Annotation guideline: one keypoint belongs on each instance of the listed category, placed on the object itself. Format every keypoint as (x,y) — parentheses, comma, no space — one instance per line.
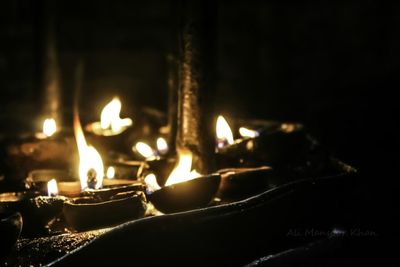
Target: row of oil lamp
(170,185)
(110,125)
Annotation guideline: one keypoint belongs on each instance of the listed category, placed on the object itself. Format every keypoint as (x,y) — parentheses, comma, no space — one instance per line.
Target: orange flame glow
(224,132)
(52,189)
(89,158)
(49,127)
(182,171)
(110,117)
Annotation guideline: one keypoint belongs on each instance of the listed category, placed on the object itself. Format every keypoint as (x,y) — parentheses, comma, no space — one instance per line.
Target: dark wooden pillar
(195,96)
(51,72)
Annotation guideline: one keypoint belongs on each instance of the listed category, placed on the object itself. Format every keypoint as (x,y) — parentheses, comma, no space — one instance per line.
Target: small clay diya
(36,211)
(10,230)
(240,183)
(38,179)
(108,192)
(282,143)
(192,194)
(86,213)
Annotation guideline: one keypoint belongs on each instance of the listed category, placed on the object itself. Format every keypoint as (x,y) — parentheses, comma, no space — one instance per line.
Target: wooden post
(51,75)
(195,106)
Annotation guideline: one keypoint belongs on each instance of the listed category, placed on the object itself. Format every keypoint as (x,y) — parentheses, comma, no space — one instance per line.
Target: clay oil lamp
(240,183)
(90,213)
(185,189)
(110,132)
(44,149)
(100,206)
(10,230)
(36,210)
(262,142)
(38,180)
(122,172)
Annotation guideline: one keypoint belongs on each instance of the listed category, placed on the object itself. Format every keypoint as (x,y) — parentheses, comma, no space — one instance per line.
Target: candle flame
(110,172)
(52,189)
(224,132)
(110,117)
(182,171)
(49,127)
(245,132)
(145,150)
(89,159)
(162,145)
(151,182)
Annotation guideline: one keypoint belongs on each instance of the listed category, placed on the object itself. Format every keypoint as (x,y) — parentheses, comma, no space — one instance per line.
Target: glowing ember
(182,171)
(49,127)
(110,172)
(162,146)
(52,189)
(144,149)
(91,169)
(224,132)
(110,117)
(244,132)
(151,182)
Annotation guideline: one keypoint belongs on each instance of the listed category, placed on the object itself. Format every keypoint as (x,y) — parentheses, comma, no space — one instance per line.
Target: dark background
(333,66)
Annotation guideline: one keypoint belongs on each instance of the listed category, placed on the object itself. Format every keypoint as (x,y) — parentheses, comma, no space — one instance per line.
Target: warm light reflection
(224,132)
(110,172)
(182,171)
(110,117)
(89,159)
(162,146)
(151,182)
(245,132)
(49,127)
(144,149)
(52,189)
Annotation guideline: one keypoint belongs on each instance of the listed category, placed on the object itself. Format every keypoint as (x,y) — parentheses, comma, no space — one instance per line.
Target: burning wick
(110,172)
(162,146)
(144,150)
(224,132)
(52,189)
(91,168)
(245,132)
